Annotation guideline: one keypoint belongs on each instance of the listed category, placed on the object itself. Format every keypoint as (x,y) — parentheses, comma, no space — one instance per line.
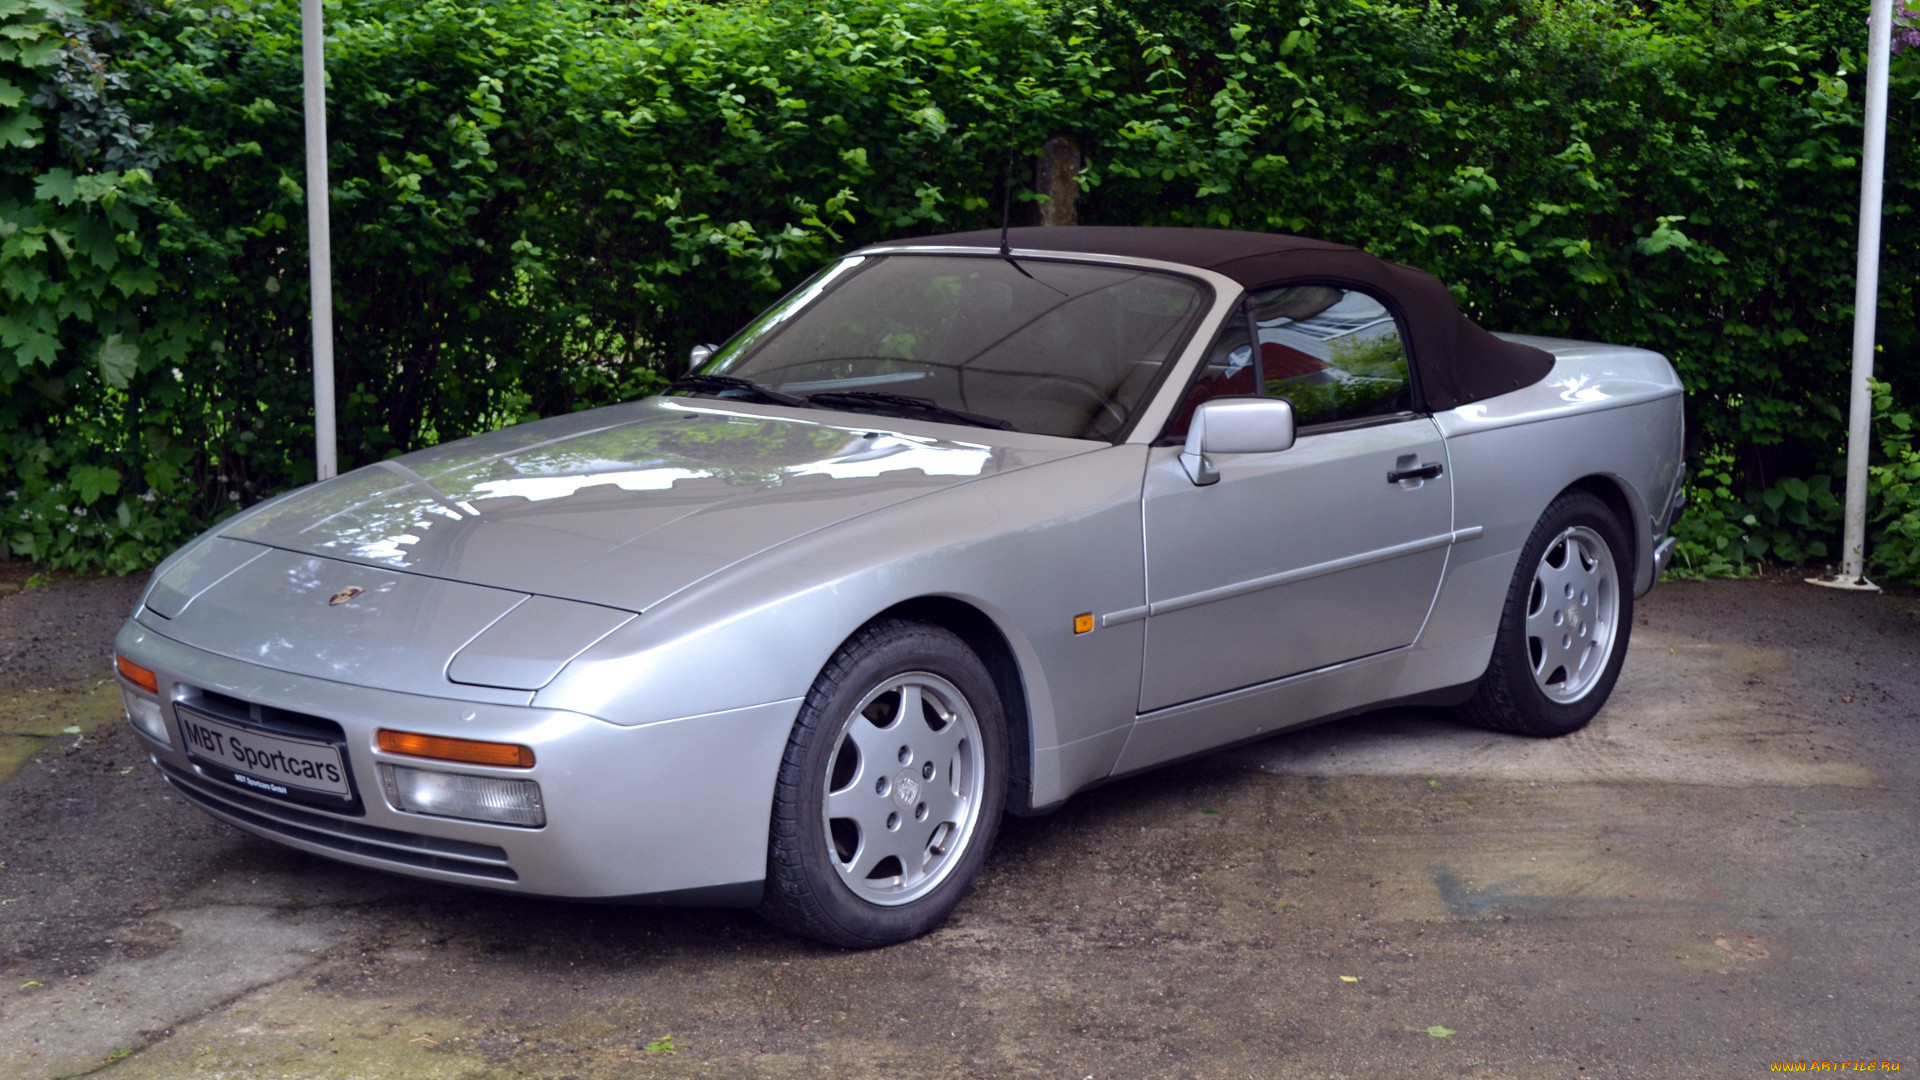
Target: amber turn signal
(1083,623)
(137,675)
(469,751)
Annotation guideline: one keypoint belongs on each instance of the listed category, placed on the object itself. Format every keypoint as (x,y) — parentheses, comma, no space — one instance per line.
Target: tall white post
(319,235)
(1866,303)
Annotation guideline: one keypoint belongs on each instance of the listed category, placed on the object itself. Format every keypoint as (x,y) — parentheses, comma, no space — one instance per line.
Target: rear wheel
(891,789)
(1563,632)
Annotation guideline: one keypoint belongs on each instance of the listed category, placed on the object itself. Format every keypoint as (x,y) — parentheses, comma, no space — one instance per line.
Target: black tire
(1518,693)
(813,885)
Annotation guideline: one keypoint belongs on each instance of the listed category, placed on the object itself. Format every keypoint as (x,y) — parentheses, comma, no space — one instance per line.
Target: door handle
(1423,472)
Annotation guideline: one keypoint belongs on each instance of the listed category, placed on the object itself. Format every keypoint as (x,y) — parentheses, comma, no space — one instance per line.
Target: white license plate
(254,759)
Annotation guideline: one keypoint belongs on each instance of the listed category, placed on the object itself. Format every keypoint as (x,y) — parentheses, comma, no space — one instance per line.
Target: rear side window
(1336,353)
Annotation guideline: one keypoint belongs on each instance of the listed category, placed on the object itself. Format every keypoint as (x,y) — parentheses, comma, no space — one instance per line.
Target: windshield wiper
(872,400)
(718,384)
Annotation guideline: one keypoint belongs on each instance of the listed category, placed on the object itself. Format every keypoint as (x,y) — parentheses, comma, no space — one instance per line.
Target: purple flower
(1906,26)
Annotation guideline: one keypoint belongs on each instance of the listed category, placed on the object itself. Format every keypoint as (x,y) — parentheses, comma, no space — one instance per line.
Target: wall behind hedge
(538,207)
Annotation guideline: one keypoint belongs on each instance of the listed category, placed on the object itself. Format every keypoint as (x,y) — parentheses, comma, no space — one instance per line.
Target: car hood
(625,506)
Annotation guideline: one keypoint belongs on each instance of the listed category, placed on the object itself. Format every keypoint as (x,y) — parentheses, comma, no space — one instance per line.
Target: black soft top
(1454,359)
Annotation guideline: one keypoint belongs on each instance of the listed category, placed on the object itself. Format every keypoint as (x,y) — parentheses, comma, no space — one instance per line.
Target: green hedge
(537,207)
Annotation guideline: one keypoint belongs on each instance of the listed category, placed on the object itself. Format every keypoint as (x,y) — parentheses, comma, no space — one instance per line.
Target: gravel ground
(59,632)
(1718,874)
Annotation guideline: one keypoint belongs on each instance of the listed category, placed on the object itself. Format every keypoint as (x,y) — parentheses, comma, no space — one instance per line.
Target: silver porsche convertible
(960,527)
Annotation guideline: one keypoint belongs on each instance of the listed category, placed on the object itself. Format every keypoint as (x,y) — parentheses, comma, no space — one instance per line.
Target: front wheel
(890,791)
(1563,632)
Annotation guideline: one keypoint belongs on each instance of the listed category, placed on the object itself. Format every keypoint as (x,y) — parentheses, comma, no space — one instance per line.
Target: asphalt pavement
(1718,875)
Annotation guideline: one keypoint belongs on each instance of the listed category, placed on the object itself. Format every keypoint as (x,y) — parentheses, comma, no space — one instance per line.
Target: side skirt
(1444,698)
(1195,727)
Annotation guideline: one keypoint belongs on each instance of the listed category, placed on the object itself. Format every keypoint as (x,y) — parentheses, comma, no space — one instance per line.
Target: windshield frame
(825,281)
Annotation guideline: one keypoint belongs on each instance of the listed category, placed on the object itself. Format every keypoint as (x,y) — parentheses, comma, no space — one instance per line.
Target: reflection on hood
(862,456)
(542,488)
(889,453)
(652,497)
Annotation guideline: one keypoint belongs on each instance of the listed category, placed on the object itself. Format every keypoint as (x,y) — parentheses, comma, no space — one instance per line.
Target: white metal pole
(319,235)
(1866,301)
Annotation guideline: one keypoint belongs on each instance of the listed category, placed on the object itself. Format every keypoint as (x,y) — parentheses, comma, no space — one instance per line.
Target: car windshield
(1055,348)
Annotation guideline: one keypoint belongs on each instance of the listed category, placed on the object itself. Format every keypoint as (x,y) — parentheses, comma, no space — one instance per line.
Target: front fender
(1031,550)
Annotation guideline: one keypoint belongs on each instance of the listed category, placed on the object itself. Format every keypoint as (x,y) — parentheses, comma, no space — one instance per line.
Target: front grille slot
(348,837)
(265,717)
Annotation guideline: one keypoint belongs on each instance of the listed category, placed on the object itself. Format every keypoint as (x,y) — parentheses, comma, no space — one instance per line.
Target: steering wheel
(1101,403)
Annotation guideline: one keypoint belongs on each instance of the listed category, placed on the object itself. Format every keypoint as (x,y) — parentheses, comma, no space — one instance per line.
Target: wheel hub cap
(906,790)
(1572,614)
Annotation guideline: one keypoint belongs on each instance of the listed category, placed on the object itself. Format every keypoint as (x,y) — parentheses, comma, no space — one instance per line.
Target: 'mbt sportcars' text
(264,756)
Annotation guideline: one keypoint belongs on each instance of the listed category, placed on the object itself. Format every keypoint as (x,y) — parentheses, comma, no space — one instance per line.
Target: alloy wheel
(904,787)
(1573,614)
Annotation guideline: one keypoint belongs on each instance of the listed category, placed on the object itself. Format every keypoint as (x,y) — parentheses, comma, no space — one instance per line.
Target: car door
(1330,550)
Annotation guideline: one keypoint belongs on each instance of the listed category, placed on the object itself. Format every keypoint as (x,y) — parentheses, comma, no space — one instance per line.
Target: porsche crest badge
(344,595)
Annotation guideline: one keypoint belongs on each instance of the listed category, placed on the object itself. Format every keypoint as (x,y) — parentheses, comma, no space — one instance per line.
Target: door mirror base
(1199,469)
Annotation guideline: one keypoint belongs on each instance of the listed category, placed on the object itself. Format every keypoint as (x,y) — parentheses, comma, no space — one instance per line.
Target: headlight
(144,713)
(457,795)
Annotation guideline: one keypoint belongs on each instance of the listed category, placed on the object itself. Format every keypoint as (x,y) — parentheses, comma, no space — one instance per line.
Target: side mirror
(1241,425)
(699,355)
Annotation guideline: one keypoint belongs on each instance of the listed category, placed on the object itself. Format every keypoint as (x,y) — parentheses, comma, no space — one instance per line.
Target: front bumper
(676,811)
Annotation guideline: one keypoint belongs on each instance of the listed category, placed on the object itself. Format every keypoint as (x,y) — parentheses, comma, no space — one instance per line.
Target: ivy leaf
(94,239)
(39,346)
(19,31)
(37,54)
(136,279)
(117,358)
(18,130)
(56,184)
(92,481)
(23,244)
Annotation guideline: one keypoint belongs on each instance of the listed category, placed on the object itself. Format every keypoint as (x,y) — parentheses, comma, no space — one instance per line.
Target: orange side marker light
(1083,623)
(137,675)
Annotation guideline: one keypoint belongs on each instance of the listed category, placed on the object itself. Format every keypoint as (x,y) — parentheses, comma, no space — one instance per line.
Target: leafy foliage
(539,206)
(1799,521)
(1893,491)
(86,310)
(1794,521)
(1681,175)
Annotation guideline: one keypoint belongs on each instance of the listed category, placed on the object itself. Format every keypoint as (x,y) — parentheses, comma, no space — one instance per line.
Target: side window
(1335,352)
(1228,370)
